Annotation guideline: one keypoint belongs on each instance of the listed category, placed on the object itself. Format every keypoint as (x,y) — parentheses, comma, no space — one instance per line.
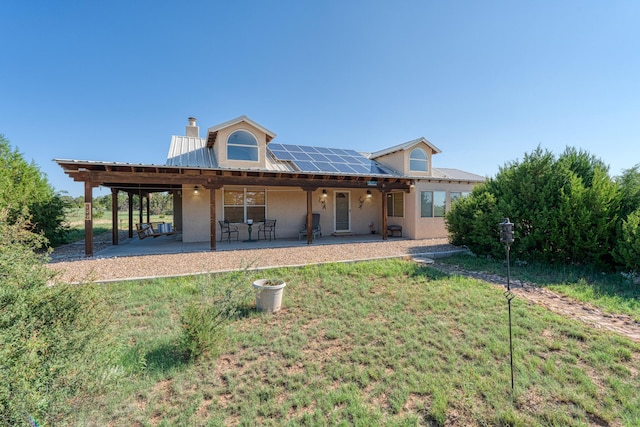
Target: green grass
(611,292)
(373,343)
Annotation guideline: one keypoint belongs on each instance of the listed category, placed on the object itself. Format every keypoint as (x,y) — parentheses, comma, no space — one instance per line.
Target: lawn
(611,292)
(371,343)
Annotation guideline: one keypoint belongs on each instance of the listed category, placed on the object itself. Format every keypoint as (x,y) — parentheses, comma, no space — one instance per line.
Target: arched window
(241,145)
(418,160)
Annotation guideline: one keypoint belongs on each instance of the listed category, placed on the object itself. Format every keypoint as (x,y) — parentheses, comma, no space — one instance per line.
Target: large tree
(25,190)
(564,209)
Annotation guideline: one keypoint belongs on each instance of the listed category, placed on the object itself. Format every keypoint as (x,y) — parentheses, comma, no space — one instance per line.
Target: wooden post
(130,195)
(141,203)
(88,219)
(212,217)
(148,207)
(384,215)
(309,216)
(114,216)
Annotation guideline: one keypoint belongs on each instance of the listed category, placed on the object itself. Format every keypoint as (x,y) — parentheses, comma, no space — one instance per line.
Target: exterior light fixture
(195,190)
(369,195)
(323,199)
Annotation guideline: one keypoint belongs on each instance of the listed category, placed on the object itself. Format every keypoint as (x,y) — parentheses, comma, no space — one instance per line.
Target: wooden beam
(88,219)
(114,216)
(130,196)
(384,215)
(309,216)
(212,217)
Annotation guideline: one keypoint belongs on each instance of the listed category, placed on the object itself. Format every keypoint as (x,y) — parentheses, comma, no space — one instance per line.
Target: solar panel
(307,166)
(323,159)
(299,155)
(282,155)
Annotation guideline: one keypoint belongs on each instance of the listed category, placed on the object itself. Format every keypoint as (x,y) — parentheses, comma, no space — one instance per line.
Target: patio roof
(129,177)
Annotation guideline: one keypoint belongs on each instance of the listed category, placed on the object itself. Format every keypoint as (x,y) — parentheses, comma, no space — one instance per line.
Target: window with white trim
(418,160)
(242,145)
(243,204)
(433,204)
(395,204)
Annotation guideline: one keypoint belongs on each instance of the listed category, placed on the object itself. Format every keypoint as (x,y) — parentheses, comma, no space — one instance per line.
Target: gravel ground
(76,269)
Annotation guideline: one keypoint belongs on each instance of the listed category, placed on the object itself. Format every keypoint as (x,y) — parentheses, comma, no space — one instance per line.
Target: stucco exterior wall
(195,215)
(220,146)
(430,227)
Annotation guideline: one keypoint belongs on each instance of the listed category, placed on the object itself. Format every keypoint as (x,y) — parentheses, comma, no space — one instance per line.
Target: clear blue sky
(485,81)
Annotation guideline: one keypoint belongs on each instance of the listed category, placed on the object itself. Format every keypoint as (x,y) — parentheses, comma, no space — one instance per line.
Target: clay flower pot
(269,294)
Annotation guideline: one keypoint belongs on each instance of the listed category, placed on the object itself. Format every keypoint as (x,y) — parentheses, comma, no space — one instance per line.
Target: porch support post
(309,216)
(114,216)
(130,196)
(212,217)
(141,206)
(384,215)
(88,219)
(148,207)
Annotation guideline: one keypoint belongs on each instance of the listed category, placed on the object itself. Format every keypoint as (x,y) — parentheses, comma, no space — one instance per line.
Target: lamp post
(506,237)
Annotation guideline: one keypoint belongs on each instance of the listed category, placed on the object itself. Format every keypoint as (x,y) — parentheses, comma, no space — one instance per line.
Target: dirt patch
(565,306)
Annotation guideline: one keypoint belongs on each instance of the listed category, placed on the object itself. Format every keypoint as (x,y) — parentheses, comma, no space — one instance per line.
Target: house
(238,172)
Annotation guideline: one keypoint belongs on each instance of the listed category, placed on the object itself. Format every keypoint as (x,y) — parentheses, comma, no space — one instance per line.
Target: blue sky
(486,82)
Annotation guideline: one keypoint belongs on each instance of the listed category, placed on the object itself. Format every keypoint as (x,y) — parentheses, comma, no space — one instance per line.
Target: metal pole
(509,297)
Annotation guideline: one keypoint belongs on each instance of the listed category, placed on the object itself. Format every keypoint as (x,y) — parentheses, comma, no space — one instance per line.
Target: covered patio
(143,180)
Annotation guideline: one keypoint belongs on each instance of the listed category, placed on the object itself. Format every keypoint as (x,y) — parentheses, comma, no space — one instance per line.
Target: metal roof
(456,175)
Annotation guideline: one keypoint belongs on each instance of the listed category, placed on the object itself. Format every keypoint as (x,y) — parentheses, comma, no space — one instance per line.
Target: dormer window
(242,145)
(418,160)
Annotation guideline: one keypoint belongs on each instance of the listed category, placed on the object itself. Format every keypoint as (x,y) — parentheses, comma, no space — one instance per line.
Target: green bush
(627,250)
(564,210)
(49,333)
(221,299)
(25,190)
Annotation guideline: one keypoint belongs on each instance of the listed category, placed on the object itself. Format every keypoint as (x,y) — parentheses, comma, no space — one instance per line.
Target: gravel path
(136,267)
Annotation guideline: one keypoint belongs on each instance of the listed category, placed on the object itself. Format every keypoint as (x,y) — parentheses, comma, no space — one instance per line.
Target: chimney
(192,129)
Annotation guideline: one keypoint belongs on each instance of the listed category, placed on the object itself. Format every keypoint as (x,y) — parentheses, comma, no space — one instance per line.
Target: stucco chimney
(192,129)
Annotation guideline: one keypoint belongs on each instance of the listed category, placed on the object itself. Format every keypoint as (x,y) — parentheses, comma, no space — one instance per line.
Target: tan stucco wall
(426,228)
(220,146)
(195,215)
(399,160)
(288,205)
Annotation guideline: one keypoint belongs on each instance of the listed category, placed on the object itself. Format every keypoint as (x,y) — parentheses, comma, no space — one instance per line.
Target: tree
(25,190)
(564,210)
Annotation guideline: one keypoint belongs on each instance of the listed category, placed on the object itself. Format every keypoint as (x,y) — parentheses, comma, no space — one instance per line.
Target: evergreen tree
(25,190)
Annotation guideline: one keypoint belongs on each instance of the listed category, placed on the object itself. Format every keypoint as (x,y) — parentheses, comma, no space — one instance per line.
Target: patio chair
(268,227)
(228,229)
(315,227)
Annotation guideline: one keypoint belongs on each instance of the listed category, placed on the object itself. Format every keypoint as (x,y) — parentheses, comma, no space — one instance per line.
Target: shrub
(203,321)
(49,333)
(25,190)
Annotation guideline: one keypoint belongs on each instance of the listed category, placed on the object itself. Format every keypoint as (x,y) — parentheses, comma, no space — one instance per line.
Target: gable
(406,158)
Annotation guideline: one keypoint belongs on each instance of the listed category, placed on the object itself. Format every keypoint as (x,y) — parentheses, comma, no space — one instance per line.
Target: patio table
(249,229)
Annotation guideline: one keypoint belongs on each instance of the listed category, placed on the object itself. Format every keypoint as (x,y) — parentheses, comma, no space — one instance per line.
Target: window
(395,204)
(418,160)
(456,195)
(244,204)
(241,145)
(432,203)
